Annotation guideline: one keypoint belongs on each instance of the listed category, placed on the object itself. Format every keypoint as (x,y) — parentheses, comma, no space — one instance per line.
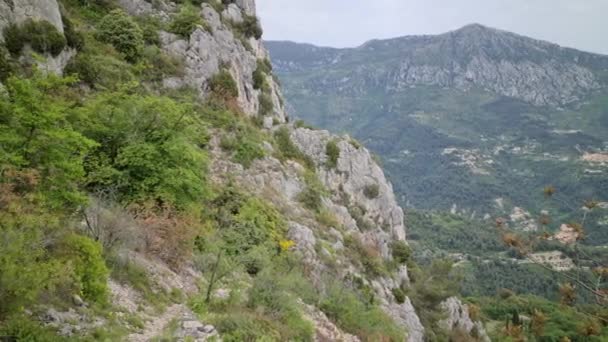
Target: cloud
(580,24)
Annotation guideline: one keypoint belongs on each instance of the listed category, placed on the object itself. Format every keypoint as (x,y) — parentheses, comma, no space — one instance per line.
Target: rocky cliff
(534,71)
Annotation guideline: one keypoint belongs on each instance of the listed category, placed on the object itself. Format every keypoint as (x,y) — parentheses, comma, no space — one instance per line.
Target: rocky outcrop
(354,174)
(459,318)
(17,11)
(216,46)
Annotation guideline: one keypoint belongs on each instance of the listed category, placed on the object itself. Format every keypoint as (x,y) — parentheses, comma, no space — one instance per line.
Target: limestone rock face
(17,11)
(208,50)
(459,318)
(355,172)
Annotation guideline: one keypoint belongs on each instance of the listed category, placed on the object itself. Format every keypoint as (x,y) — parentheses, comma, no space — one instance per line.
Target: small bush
(259,79)
(223,86)
(244,147)
(5,65)
(266,105)
(250,27)
(333,153)
(121,31)
(371,191)
(99,70)
(368,322)
(73,38)
(401,252)
(399,295)
(150,27)
(14,39)
(90,271)
(41,35)
(311,196)
(288,150)
(186,21)
(23,328)
(160,65)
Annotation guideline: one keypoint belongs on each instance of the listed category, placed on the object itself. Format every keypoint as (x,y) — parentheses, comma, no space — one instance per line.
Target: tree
(37,133)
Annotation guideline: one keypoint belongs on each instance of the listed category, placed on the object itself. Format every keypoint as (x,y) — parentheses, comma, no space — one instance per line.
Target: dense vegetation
(104,162)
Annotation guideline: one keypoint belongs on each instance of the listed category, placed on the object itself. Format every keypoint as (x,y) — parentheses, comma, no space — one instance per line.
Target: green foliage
(160,65)
(371,191)
(13,39)
(73,38)
(401,251)
(91,274)
(36,133)
(399,295)
(151,148)
(246,148)
(288,150)
(266,104)
(250,27)
(246,222)
(22,328)
(186,21)
(311,196)
(429,287)
(26,270)
(100,71)
(561,321)
(121,31)
(367,255)
(332,151)
(6,67)
(263,69)
(270,295)
(223,86)
(368,322)
(41,35)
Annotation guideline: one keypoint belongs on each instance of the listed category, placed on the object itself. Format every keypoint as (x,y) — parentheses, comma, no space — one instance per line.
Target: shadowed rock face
(537,72)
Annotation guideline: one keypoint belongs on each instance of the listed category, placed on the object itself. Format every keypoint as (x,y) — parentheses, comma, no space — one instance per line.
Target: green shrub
(371,191)
(259,79)
(368,322)
(150,27)
(246,222)
(245,148)
(90,271)
(5,65)
(399,295)
(23,328)
(99,71)
(223,86)
(250,27)
(333,153)
(288,150)
(401,252)
(41,35)
(302,124)
(186,21)
(312,195)
(121,31)
(160,65)
(269,294)
(73,38)
(25,267)
(14,39)
(266,105)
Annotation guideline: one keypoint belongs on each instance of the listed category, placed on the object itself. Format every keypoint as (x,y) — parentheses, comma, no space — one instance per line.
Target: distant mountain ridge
(535,71)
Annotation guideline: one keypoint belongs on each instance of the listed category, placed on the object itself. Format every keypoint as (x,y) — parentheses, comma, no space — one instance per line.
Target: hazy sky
(582,24)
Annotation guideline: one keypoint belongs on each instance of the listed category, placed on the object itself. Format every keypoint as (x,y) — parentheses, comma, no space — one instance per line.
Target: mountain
(477,121)
(534,71)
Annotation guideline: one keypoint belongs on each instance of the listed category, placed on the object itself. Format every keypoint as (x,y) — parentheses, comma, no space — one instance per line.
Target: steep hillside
(461,117)
(152,189)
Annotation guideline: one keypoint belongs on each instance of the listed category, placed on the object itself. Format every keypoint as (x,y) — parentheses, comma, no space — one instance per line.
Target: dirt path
(157,325)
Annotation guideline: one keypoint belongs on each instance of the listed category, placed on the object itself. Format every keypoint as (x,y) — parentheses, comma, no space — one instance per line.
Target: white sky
(581,24)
